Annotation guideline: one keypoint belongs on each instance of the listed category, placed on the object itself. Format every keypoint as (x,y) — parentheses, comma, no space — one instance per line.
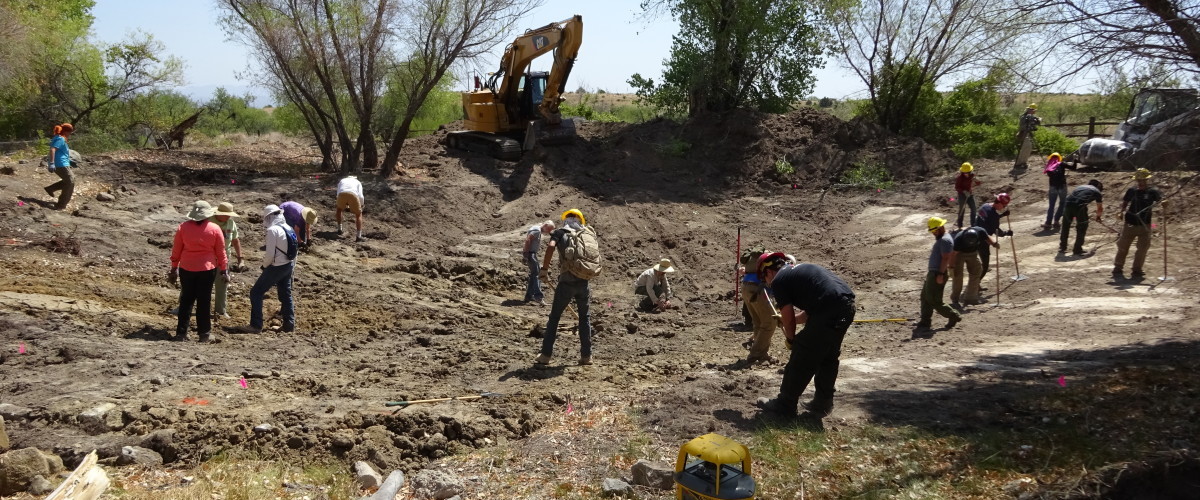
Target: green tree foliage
(226,113)
(905,100)
(732,54)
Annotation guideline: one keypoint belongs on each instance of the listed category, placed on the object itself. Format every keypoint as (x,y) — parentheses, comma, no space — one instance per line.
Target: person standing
(570,285)
(941,257)
(964,183)
(60,165)
(223,218)
(278,267)
(653,284)
(967,243)
(197,255)
(529,256)
(1137,207)
(301,219)
(1025,128)
(350,197)
(989,219)
(1076,210)
(811,295)
(1056,173)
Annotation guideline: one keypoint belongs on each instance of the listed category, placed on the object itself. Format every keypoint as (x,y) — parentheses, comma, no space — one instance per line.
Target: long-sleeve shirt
(199,247)
(276,245)
(648,279)
(964,183)
(988,219)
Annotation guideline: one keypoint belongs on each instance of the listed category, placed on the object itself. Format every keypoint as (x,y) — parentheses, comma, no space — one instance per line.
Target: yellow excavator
(517,109)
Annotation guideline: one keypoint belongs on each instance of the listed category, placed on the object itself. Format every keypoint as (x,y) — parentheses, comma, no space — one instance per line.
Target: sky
(617,42)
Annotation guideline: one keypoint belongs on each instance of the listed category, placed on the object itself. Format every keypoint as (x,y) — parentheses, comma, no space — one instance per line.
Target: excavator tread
(496,146)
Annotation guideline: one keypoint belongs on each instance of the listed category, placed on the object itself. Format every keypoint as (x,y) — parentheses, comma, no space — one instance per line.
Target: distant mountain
(202,93)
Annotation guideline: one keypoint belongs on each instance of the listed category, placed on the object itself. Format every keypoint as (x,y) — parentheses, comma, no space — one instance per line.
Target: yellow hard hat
(1033,106)
(1053,156)
(936,222)
(966,168)
(1142,174)
(576,213)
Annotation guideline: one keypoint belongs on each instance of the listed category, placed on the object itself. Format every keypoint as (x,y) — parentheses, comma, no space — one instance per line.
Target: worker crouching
(653,285)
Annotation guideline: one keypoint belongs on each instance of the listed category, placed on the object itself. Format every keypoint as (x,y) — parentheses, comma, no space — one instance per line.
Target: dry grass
(240,477)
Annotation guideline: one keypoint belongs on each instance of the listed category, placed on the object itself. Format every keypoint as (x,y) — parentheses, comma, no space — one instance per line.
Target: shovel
(1016,264)
(404,404)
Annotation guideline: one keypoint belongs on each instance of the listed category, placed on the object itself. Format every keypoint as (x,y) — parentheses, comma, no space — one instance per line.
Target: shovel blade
(1020,277)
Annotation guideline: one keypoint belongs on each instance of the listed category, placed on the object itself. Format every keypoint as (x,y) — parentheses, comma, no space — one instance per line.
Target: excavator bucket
(539,132)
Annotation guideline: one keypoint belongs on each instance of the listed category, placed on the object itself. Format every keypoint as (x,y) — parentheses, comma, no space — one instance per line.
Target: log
(87,482)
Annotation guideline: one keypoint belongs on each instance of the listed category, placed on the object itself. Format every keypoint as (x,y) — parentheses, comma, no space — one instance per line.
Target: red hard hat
(766,257)
(1003,198)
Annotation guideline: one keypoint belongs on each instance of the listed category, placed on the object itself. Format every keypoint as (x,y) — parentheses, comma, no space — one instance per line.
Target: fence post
(1091,127)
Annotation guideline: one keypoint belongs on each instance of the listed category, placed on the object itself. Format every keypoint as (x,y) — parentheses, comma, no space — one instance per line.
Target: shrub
(783,167)
(677,148)
(586,110)
(867,175)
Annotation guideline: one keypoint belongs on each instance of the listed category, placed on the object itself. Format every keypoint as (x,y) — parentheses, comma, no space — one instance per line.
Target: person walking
(278,265)
(529,256)
(301,219)
(653,284)
(941,257)
(1028,124)
(964,183)
(60,165)
(1137,207)
(1076,210)
(989,219)
(350,197)
(572,283)
(1056,173)
(223,218)
(756,300)
(197,255)
(811,295)
(967,243)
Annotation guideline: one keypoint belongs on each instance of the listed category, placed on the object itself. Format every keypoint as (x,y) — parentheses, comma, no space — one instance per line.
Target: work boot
(542,359)
(339,229)
(924,324)
(820,407)
(1118,273)
(360,238)
(953,321)
(777,407)
(585,360)
(174,312)
(1046,226)
(206,337)
(180,337)
(957,307)
(1137,274)
(1077,251)
(1056,227)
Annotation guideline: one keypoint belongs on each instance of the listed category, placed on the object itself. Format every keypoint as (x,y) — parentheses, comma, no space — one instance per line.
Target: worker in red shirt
(964,183)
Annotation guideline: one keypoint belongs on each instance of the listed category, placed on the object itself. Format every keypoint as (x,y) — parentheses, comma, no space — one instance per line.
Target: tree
(92,77)
(899,48)
(735,53)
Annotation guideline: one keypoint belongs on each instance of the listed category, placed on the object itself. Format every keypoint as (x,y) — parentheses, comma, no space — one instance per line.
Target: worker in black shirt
(1136,207)
(1076,210)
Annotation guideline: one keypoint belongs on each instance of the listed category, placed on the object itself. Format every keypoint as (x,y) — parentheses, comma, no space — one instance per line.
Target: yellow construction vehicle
(518,104)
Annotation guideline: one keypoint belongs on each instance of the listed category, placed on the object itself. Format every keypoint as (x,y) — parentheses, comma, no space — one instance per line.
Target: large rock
(646,473)
(4,445)
(136,455)
(14,412)
(365,476)
(616,488)
(18,467)
(436,484)
(163,442)
(390,486)
(39,486)
(100,419)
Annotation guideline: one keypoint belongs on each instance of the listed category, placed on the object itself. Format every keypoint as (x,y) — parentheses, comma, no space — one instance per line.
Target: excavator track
(496,146)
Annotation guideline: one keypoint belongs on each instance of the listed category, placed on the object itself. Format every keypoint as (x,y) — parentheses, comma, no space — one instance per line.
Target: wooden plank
(87,482)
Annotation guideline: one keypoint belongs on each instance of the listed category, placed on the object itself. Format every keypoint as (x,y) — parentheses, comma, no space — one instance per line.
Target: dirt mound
(1174,474)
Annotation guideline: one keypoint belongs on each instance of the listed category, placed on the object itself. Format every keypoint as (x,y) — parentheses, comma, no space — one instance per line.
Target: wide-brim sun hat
(664,266)
(226,208)
(201,210)
(271,210)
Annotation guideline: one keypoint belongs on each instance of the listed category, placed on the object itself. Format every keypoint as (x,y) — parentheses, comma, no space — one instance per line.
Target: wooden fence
(1091,125)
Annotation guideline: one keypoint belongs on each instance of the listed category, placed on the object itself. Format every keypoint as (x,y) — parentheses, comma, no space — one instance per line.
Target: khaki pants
(974,268)
(221,288)
(764,321)
(1131,231)
(1026,139)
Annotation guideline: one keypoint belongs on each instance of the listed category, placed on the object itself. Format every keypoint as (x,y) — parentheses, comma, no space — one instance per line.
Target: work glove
(1005,214)
(173,276)
(544,275)
(788,343)
(240,266)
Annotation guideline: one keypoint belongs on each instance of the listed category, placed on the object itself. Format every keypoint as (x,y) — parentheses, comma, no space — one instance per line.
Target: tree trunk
(1185,31)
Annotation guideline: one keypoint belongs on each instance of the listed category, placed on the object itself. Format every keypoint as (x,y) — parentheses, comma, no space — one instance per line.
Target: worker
(1137,206)
(808,294)
(756,300)
(967,243)
(1028,124)
(60,164)
(223,218)
(278,267)
(197,256)
(989,219)
(350,197)
(1056,173)
(941,257)
(529,256)
(653,284)
(964,183)
(1076,210)
(570,286)
(301,219)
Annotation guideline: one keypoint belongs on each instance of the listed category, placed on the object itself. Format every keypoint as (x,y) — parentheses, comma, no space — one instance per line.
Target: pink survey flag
(243,383)
(1062,381)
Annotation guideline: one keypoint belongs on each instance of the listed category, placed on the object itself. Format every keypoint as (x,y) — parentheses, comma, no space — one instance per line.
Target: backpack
(293,247)
(581,255)
(968,240)
(749,257)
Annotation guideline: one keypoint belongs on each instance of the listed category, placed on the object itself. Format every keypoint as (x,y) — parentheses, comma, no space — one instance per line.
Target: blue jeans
(569,287)
(533,289)
(966,199)
(1059,195)
(279,277)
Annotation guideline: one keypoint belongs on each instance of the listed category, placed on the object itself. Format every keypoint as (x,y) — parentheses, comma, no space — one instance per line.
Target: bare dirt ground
(431,305)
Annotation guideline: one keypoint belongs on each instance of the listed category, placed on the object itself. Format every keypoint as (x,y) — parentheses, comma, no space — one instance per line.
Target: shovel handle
(438,400)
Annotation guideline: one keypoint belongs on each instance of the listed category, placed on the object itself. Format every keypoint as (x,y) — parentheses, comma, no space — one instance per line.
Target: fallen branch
(87,482)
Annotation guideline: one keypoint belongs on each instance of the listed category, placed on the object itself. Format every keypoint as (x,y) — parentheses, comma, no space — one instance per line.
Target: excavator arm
(563,38)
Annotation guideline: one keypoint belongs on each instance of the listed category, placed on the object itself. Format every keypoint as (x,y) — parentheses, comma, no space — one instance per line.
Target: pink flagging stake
(245,385)
(233,181)
(21,348)
(20,203)
(1062,381)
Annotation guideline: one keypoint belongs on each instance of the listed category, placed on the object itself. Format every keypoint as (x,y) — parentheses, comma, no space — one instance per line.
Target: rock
(263,428)
(631,328)
(4,444)
(390,486)
(105,197)
(54,462)
(436,484)
(646,473)
(14,412)
(342,441)
(18,467)
(615,488)
(96,420)
(39,486)
(365,476)
(136,455)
